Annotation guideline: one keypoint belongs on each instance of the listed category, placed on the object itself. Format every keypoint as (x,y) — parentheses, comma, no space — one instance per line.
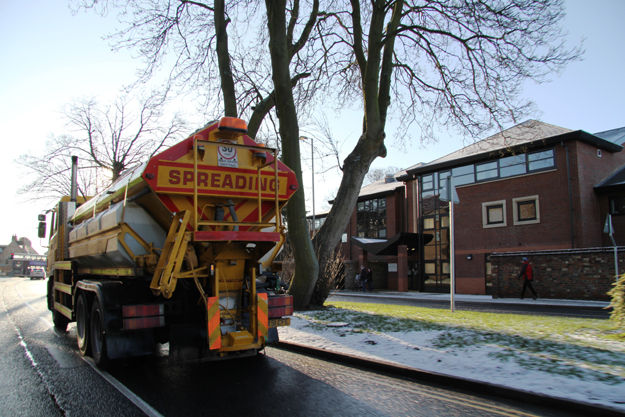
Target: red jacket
(527,272)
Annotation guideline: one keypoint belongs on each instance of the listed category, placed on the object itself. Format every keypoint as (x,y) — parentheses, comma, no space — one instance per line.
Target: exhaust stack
(74,183)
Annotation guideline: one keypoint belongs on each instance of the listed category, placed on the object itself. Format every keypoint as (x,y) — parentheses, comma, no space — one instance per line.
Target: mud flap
(187,344)
(125,345)
(273,335)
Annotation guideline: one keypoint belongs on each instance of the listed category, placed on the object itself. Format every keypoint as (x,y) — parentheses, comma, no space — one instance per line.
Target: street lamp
(312,157)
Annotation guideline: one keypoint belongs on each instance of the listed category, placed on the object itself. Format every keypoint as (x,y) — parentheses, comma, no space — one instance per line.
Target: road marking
(134,398)
(64,357)
(28,353)
(48,324)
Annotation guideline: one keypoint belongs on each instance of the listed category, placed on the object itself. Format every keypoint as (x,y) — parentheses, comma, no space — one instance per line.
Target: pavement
(472,298)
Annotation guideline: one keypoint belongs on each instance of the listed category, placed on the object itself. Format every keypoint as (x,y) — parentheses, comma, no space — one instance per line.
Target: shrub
(618,301)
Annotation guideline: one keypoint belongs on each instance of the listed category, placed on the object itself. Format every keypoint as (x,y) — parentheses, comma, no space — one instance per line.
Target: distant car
(37,273)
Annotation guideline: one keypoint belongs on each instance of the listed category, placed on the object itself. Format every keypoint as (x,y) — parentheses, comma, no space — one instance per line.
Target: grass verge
(581,348)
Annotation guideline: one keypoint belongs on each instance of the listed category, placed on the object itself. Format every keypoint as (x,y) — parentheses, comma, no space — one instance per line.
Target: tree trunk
(356,166)
(375,70)
(223,57)
(306,265)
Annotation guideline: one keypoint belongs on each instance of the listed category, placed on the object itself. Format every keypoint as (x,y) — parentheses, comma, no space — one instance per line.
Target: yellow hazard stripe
(214,327)
(263,317)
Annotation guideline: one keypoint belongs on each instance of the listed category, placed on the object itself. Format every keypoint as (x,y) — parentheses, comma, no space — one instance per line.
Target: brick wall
(551,189)
(574,274)
(352,268)
(590,169)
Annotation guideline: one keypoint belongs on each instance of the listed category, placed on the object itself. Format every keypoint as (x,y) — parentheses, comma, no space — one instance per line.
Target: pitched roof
(518,138)
(615,181)
(526,132)
(614,135)
(380,187)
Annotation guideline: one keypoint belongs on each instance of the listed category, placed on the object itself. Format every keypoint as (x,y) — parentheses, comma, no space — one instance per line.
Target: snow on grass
(568,358)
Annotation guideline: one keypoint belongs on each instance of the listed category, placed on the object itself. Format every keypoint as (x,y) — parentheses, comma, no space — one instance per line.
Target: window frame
(486,206)
(468,174)
(612,204)
(515,210)
(371,218)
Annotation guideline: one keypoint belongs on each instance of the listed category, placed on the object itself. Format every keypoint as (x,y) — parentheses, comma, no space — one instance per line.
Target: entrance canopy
(388,247)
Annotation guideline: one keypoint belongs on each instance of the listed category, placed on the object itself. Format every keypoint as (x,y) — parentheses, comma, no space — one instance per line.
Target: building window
(428,223)
(319,222)
(371,218)
(540,160)
(617,205)
(442,178)
(494,214)
(463,175)
(526,210)
(509,166)
(486,171)
(444,221)
(428,182)
(512,165)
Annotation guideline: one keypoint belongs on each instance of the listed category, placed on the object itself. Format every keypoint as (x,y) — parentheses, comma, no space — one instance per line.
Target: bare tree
(459,64)
(282,50)
(123,133)
(49,173)
(376,174)
(106,138)
(191,43)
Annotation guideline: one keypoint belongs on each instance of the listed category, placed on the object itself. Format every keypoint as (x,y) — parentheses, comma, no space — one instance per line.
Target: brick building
(376,229)
(533,187)
(20,246)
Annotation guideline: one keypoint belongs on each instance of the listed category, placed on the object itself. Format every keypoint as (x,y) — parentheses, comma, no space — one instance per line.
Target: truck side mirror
(42,230)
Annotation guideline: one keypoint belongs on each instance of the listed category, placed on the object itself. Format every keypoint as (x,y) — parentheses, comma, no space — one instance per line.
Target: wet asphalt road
(41,371)
(42,374)
(527,309)
(280,383)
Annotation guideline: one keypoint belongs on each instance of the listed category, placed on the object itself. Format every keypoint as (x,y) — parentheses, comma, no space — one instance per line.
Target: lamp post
(312,157)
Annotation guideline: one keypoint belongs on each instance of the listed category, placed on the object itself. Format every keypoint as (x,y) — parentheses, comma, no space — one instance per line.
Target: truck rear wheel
(82,324)
(60,321)
(98,335)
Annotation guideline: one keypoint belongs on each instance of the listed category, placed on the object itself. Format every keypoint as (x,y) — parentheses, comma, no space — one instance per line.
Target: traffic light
(11,256)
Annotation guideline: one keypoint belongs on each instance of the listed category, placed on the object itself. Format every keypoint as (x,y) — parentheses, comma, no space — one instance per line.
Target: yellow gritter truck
(179,250)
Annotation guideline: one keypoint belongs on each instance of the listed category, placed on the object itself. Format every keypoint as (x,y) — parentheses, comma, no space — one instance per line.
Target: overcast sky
(50,57)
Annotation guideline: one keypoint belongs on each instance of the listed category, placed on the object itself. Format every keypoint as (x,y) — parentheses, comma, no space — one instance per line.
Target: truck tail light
(280,305)
(143,316)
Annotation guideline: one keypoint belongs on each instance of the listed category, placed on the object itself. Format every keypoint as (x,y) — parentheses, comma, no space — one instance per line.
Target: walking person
(527,273)
(370,280)
(363,278)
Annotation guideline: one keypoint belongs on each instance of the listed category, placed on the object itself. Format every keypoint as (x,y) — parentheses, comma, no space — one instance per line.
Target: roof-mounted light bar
(232,124)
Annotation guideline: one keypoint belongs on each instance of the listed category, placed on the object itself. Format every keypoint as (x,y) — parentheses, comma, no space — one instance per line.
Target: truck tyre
(98,335)
(82,325)
(60,321)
